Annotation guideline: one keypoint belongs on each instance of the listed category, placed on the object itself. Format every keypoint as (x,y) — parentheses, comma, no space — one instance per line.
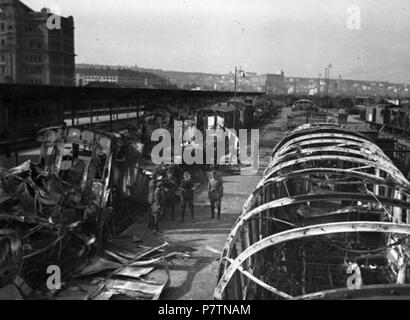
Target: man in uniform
(187,196)
(342,116)
(215,193)
(170,188)
(151,190)
(157,204)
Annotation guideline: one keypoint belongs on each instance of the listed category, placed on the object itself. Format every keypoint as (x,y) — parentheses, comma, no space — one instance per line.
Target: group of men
(163,196)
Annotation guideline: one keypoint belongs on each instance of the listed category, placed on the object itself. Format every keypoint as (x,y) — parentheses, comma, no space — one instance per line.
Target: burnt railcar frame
(321,154)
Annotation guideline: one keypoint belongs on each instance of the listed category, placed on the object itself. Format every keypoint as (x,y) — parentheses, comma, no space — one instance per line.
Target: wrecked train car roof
(330,206)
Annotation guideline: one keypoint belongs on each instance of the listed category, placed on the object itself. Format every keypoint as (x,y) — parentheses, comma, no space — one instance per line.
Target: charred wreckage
(329,220)
(60,213)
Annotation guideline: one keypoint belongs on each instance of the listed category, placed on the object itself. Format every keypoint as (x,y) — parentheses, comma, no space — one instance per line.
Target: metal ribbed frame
(337,156)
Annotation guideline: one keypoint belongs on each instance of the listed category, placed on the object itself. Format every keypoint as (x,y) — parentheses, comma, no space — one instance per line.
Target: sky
(361,39)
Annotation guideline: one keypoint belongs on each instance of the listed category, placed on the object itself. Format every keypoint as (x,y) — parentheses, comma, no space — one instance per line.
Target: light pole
(318,85)
(235,84)
(236,80)
(328,79)
(327,76)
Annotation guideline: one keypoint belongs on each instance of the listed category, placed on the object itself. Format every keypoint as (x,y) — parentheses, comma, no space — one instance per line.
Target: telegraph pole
(234,94)
(327,77)
(339,86)
(236,79)
(318,85)
(235,89)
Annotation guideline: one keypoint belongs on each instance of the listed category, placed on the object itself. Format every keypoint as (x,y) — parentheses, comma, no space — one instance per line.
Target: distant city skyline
(263,36)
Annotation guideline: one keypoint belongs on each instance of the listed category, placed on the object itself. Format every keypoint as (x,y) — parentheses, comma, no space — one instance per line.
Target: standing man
(170,188)
(151,190)
(157,204)
(187,196)
(342,116)
(215,193)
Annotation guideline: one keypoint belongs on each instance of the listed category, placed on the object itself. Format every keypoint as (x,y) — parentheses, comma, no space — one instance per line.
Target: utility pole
(339,85)
(327,77)
(236,83)
(318,85)
(236,80)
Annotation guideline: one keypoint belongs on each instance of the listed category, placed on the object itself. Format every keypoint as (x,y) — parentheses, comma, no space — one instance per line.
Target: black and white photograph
(220,151)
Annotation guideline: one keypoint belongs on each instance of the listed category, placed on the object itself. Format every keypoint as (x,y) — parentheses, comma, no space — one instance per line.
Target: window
(35,70)
(30,27)
(2,27)
(3,42)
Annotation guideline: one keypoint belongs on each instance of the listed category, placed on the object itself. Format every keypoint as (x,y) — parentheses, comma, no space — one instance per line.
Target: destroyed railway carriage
(329,220)
(95,163)
(304,105)
(233,114)
(57,210)
(54,210)
(81,158)
(266,108)
(305,112)
(393,117)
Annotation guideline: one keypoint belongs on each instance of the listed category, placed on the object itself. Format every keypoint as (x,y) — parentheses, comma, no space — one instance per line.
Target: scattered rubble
(135,272)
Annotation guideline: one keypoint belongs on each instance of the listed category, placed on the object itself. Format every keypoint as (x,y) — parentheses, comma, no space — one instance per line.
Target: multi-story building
(33,51)
(86,76)
(275,83)
(124,78)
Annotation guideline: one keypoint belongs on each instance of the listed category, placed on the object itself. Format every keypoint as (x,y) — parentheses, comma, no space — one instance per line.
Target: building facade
(33,50)
(86,76)
(275,83)
(123,78)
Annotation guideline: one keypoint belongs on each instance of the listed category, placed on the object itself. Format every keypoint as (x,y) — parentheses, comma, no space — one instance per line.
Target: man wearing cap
(151,190)
(215,193)
(170,187)
(187,196)
(157,204)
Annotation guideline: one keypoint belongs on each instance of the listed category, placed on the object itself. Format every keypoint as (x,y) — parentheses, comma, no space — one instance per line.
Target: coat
(187,189)
(215,189)
(151,191)
(158,201)
(170,188)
